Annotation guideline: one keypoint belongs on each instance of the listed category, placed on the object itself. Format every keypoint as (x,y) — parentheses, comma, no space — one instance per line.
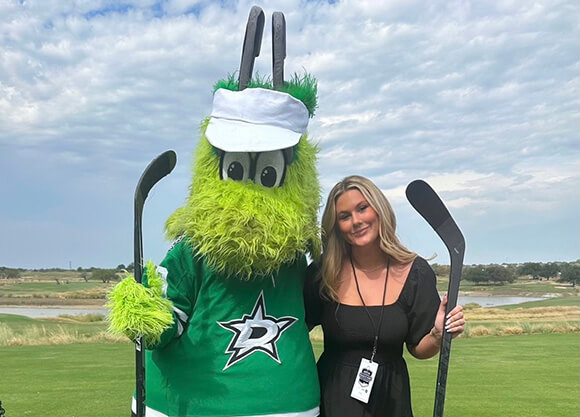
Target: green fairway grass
(38,284)
(529,375)
(14,325)
(515,376)
(550,302)
(81,380)
(522,286)
(28,288)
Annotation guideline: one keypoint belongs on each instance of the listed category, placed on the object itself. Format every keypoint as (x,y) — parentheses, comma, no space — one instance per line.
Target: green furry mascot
(223,314)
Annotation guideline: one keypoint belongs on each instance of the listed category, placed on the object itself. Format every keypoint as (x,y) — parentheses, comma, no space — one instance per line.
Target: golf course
(512,360)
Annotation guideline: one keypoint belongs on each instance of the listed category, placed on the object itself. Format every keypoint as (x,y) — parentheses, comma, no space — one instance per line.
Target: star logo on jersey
(255,332)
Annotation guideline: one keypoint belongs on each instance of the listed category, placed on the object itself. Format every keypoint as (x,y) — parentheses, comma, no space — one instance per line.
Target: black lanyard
(376,330)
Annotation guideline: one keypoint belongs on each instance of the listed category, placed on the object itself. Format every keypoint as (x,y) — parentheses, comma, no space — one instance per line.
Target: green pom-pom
(153,280)
(136,310)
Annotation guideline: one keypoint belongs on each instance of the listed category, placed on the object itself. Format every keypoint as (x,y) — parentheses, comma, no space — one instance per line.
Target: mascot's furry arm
(140,309)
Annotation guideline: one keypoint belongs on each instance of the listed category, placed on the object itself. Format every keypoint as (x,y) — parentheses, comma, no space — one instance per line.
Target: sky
(478,98)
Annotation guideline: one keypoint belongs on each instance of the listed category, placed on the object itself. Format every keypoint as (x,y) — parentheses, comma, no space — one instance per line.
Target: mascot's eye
(235,165)
(270,169)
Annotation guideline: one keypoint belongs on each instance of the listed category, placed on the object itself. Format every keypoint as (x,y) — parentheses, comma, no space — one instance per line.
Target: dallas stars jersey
(237,348)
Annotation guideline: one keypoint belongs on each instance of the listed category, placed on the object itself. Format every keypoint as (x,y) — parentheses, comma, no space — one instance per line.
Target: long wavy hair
(336,249)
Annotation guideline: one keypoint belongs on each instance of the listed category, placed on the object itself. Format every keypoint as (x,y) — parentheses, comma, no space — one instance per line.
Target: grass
(520,320)
(33,286)
(92,380)
(511,376)
(69,366)
(516,376)
(556,301)
(25,288)
(19,330)
(556,313)
(82,289)
(50,275)
(42,284)
(503,321)
(522,286)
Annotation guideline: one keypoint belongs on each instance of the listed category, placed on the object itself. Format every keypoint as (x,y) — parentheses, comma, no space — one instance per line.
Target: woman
(371,295)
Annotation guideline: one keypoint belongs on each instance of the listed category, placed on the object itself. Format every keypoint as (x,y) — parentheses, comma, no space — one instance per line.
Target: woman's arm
(429,345)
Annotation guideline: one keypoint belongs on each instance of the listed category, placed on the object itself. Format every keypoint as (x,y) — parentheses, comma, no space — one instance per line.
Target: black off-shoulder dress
(349,336)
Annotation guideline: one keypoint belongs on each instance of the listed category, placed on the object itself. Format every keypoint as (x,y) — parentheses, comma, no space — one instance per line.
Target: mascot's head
(254,198)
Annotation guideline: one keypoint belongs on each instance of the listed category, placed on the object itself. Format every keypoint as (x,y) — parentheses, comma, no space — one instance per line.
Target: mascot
(222,315)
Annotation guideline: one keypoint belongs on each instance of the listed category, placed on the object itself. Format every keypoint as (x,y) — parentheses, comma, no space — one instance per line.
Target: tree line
(92,273)
(568,272)
(10,272)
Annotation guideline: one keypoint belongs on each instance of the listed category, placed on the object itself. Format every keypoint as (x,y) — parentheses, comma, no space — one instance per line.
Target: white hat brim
(238,136)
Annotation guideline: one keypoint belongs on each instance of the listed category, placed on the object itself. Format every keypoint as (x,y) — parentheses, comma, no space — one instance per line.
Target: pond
(44,312)
(494,301)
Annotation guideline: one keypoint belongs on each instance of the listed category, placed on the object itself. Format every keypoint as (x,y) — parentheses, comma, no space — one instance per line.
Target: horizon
(479,99)
(40,269)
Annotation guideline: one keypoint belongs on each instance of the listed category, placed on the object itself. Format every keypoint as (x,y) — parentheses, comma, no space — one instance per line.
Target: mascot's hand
(137,310)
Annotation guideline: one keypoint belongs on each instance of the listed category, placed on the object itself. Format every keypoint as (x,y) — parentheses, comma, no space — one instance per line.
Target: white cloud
(478,98)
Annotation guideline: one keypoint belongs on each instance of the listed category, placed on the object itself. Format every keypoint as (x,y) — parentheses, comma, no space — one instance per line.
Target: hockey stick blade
(428,204)
(155,171)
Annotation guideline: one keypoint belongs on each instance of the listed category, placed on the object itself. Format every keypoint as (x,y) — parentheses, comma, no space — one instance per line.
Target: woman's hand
(431,342)
(454,323)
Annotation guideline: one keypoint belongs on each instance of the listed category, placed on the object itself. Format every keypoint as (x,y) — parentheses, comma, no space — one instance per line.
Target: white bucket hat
(255,120)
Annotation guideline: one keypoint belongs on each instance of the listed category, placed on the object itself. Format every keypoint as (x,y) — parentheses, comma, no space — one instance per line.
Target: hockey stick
(155,171)
(429,205)
(252,45)
(278,49)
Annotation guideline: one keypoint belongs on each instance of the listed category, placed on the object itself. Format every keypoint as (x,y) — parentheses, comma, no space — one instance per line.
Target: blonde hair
(336,249)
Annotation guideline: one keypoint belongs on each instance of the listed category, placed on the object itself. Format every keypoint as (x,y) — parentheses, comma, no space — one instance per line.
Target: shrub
(508,330)
(479,331)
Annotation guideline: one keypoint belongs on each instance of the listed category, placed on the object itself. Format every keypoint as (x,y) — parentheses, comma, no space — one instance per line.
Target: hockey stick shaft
(155,171)
(445,353)
(252,45)
(424,199)
(278,49)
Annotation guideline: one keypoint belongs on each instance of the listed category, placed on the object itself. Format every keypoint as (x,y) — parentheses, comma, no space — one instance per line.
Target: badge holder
(367,371)
(363,384)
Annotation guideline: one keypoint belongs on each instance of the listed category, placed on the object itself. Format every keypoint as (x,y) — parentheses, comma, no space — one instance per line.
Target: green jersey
(236,348)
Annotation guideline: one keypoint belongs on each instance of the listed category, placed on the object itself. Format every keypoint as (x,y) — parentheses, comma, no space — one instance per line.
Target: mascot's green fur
(223,315)
(244,229)
(140,310)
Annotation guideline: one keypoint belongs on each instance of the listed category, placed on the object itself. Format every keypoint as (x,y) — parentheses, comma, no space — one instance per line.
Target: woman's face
(357,221)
